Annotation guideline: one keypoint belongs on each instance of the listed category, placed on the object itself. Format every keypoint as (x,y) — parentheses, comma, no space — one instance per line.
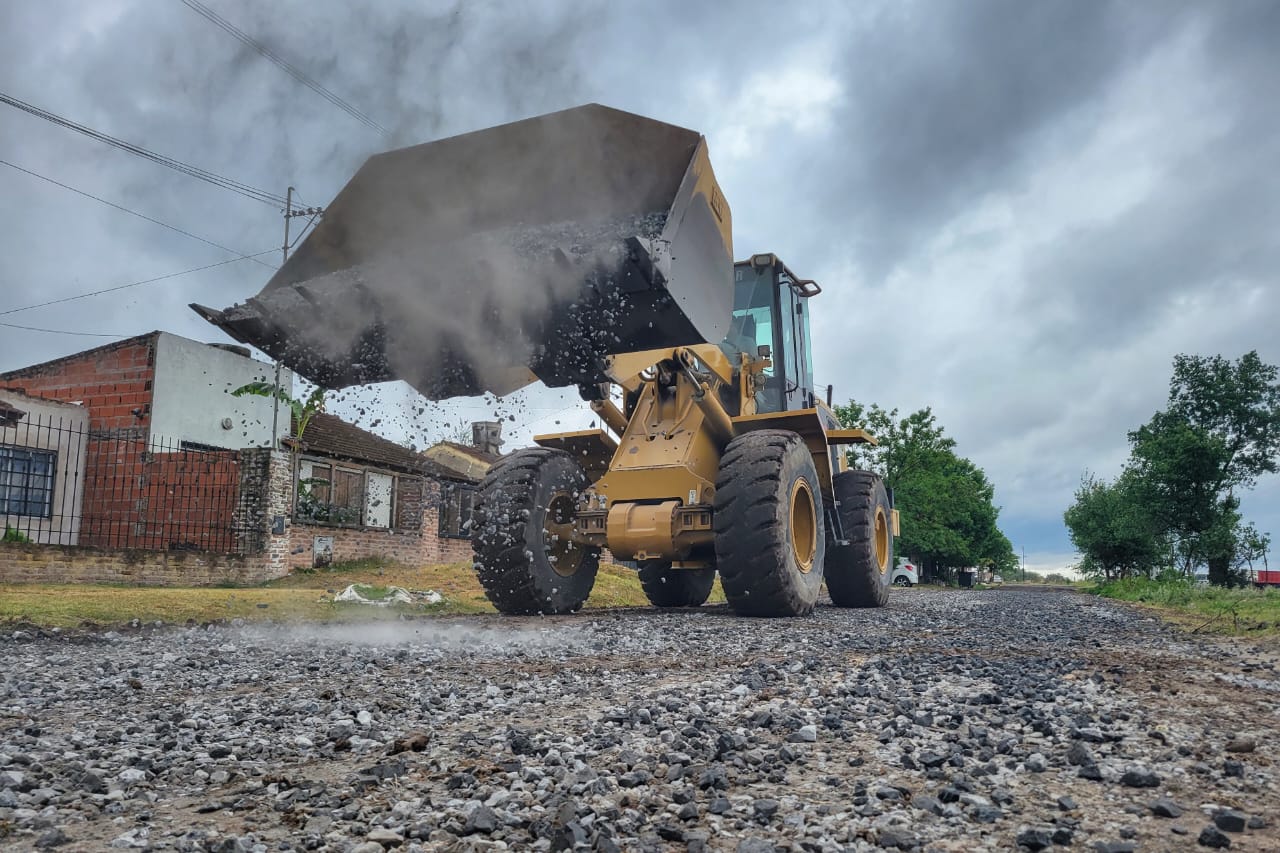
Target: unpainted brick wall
(419,544)
(354,543)
(111,383)
(26,563)
(115,385)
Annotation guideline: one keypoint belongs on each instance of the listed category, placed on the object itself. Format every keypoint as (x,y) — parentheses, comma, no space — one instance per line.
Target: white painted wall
(192,396)
(63,429)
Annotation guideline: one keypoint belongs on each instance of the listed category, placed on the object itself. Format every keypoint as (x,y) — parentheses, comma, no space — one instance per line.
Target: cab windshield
(752,327)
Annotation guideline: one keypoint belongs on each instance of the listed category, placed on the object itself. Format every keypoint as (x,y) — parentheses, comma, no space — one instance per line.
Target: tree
(949,518)
(1220,432)
(1112,527)
(303,410)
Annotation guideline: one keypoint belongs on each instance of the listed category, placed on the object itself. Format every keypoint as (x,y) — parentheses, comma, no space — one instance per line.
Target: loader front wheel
(524,556)
(668,587)
(770,541)
(858,574)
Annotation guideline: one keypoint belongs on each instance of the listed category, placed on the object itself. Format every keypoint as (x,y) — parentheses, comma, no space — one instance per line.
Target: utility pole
(1024,563)
(289,213)
(275,391)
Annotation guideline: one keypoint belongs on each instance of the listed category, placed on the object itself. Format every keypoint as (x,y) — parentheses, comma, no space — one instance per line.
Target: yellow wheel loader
(593,248)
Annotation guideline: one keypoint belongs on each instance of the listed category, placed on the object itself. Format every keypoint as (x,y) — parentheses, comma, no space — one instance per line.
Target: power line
(135,213)
(217,180)
(294,72)
(64,332)
(130,284)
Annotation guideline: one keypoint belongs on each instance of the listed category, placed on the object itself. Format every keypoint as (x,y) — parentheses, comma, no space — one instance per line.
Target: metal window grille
(457,505)
(26,481)
(64,483)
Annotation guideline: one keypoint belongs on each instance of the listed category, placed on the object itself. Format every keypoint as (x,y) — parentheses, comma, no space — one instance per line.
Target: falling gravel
(948,721)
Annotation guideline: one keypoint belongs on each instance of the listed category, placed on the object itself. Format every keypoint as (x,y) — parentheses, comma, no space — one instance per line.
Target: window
(457,502)
(329,494)
(752,326)
(377,501)
(408,503)
(26,481)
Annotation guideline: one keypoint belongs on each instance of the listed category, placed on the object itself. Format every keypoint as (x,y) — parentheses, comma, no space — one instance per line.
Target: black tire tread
(510,581)
(751,546)
(668,587)
(853,580)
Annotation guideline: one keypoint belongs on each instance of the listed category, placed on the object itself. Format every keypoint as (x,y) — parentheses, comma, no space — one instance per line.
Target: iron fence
(64,483)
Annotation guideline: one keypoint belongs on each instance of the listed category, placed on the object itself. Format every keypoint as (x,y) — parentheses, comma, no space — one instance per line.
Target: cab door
(798,361)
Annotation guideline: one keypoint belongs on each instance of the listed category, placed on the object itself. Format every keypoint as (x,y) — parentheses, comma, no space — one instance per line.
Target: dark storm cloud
(1209,229)
(946,101)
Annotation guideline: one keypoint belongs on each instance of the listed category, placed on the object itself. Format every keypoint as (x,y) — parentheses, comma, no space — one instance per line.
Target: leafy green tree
(1220,432)
(949,518)
(1111,525)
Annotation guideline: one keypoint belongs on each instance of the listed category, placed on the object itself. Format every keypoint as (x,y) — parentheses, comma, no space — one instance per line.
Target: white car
(905,573)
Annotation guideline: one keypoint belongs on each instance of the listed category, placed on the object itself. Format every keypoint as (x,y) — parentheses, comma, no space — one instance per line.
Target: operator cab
(769,310)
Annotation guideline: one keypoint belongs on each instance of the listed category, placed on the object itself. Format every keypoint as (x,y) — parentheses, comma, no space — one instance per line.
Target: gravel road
(948,721)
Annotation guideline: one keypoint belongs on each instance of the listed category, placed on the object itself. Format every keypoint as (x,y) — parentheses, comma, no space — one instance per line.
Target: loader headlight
(762,260)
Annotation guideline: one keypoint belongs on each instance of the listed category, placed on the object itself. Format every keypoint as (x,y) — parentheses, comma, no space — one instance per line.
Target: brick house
(361,495)
(160,467)
(170,461)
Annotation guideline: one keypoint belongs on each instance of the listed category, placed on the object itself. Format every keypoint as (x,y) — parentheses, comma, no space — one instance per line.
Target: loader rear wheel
(668,587)
(524,557)
(858,574)
(770,541)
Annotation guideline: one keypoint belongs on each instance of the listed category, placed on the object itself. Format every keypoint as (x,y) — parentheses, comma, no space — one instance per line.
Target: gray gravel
(948,721)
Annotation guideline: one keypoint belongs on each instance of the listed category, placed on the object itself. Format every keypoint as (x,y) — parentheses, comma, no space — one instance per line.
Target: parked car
(905,573)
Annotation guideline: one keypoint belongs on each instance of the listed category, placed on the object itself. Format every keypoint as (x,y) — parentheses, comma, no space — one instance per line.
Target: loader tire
(668,587)
(858,574)
(522,566)
(769,537)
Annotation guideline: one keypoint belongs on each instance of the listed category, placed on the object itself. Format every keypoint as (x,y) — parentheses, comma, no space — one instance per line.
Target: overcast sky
(1019,212)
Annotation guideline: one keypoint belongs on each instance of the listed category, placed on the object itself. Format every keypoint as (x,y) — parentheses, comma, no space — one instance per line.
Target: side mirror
(764,351)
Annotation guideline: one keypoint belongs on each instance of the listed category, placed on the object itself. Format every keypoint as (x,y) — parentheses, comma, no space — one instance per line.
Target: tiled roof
(473,452)
(329,435)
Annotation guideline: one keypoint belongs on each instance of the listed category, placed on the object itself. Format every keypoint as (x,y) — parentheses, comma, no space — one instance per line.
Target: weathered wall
(30,563)
(193,385)
(416,544)
(354,543)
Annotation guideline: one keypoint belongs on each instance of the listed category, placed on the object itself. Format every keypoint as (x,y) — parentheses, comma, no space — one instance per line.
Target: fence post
(264,507)
(279,512)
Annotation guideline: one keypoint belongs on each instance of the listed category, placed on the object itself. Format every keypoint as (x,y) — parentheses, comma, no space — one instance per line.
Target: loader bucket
(479,262)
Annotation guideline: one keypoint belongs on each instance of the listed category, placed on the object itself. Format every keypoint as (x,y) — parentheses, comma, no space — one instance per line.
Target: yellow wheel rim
(563,553)
(804,525)
(882,540)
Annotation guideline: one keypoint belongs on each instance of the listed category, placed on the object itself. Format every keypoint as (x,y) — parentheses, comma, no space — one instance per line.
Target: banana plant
(303,409)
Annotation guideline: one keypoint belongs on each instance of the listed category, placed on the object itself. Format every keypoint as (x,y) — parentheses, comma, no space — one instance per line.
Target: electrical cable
(132,284)
(64,332)
(217,180)
(294,72)
(305,229)
(135,213)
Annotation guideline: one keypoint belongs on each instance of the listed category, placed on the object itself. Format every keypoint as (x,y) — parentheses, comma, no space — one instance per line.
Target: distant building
(164,387)
(360,495)
(159,464)
(140,444)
